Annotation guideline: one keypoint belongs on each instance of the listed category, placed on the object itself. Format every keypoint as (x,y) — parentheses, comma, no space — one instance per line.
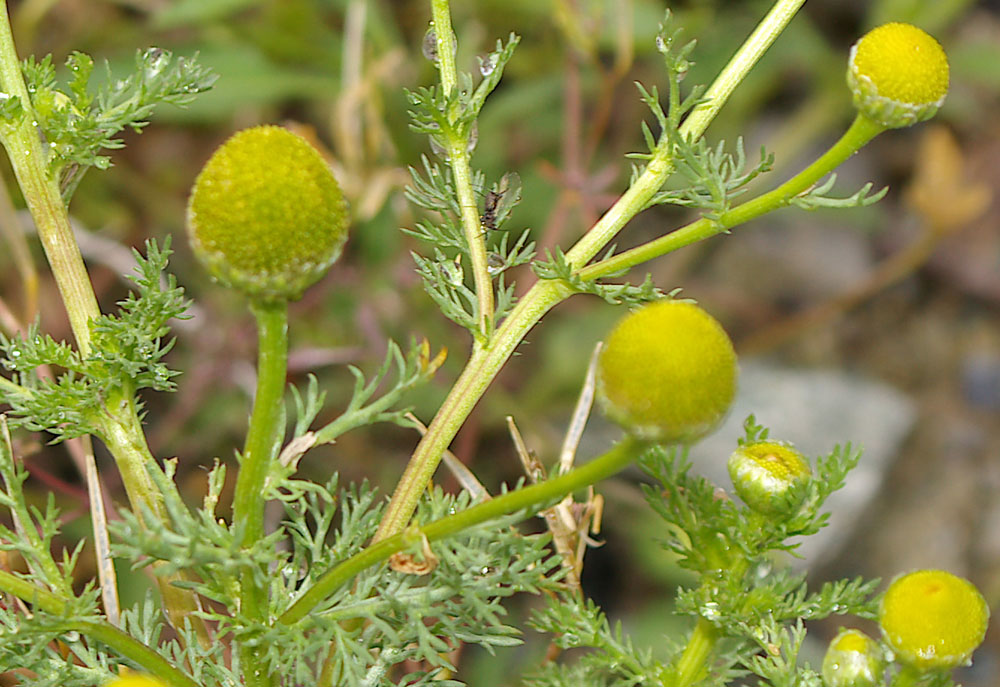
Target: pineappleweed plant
(349,589)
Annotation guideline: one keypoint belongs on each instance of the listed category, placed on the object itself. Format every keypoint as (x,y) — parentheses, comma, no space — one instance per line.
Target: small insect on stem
(500,201)
(489,217)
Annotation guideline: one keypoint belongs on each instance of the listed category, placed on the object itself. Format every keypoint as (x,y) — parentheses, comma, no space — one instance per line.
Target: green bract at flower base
(853,659)
(266,215)
(668,372)
(764,474)
(933,620)
(898,74)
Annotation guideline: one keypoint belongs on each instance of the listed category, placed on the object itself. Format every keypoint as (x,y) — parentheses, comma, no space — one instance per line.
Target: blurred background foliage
(906,292)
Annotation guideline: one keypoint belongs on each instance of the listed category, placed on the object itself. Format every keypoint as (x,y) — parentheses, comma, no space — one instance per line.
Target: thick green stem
(261,448)
(125,645)
(457,146)
(692,665)
(125,439)
(482,367)
(486,362)
(41,192)
(121,428)
(266,421)
(532,498)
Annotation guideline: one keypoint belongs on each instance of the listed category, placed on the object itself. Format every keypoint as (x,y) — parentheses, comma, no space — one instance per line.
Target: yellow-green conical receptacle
(266,215)
(933,620)
(667,372)
(898,75)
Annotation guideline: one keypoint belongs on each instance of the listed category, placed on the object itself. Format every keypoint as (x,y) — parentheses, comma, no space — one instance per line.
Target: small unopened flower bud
(898,75)
(853,659)
(764,474)
(933,620)
(266,215)
(667,372)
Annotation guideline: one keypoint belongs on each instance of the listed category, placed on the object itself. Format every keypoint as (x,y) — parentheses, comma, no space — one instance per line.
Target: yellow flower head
(667,372)
(266,216)
(764,472)
(898,75)
(932,619)
(853,659)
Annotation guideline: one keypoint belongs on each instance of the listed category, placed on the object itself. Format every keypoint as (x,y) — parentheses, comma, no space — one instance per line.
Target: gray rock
(816,410)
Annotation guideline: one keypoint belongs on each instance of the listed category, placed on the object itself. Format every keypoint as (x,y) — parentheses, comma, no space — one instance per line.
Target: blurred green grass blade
(186,12)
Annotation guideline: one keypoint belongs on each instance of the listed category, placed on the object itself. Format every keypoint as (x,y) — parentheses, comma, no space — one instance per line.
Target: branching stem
(525,499)
(121,428)
(634,200)
(486,362)
(860,132)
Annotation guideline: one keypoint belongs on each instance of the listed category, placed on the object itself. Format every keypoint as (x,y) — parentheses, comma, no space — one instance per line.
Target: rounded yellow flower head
(266,215)
(853,659)
(763,474)
(667,372)
(898,75)
(136,680)
(932,619)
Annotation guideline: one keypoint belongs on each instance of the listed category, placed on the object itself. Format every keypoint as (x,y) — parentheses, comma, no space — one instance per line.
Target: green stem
(486,362)
(482,367)
(266,421)
(521,499)
(457,147)
(126,645)
(263,438)
(132,649)
(739,66)
(40,560)
(122,434)
(908,676)
(41,192)
(635,199)
(861,131)
(31,593)
(691,667)
(441,19)
(121,429)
